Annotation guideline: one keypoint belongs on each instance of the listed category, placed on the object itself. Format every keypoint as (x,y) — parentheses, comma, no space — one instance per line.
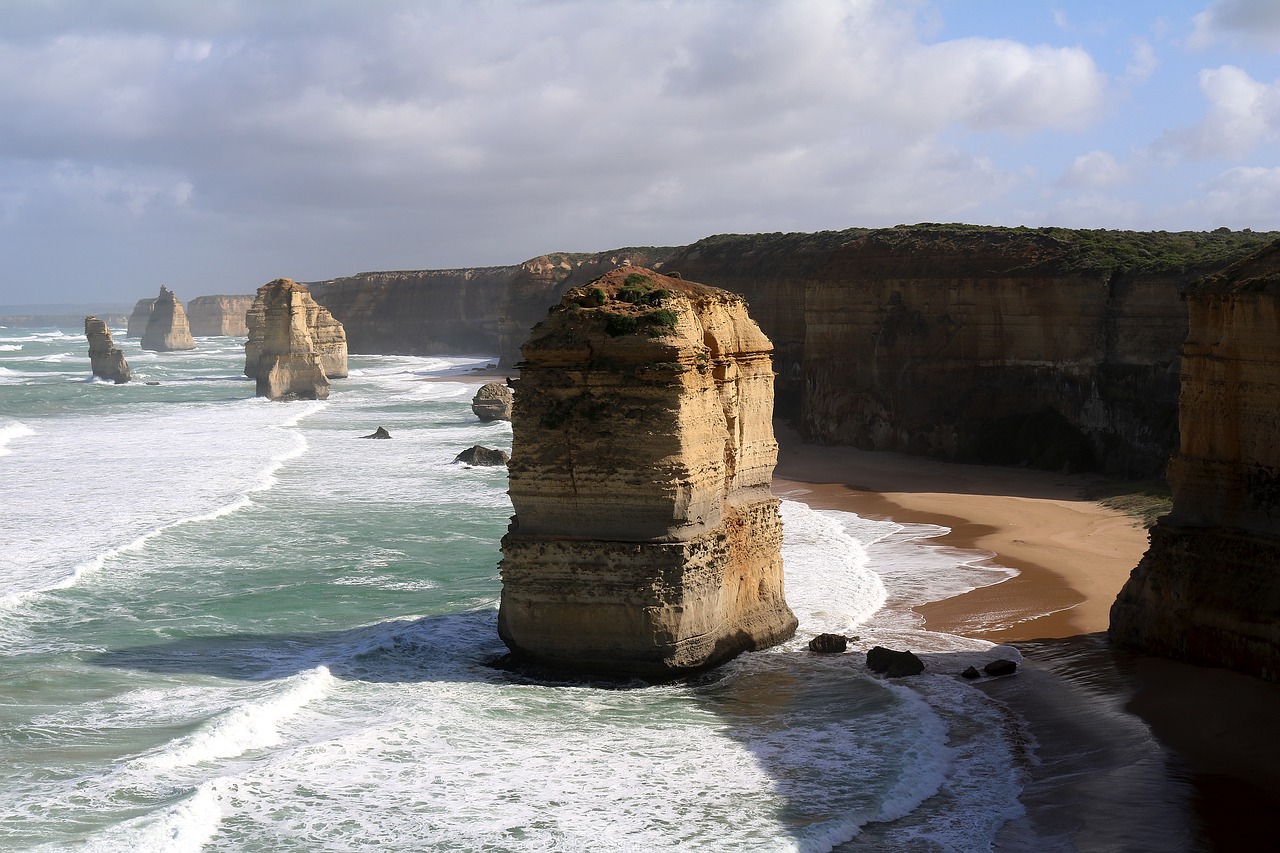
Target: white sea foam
(186,827)
(9,430)
(10,347)
(252,726)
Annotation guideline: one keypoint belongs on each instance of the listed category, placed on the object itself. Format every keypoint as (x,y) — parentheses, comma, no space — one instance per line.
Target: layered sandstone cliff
(645,538)
(1208,588)
(294,346)
(106,360)
(167,327)
(139,317)
(219,315)
(475,310)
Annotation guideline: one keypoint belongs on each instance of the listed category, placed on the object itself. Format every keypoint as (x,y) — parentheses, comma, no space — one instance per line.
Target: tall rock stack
(294,345)
(645,540)
(167,327)
(105,358)
(219,315)
(1208,588)
(140,317)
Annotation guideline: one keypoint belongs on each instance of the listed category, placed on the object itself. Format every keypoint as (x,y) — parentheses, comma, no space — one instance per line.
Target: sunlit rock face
(294,345)
(105,358)
(167,327)
(219,315)
(1208,588)
(645,539)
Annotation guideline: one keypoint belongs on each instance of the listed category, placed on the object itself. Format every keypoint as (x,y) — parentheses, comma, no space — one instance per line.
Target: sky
(214,145)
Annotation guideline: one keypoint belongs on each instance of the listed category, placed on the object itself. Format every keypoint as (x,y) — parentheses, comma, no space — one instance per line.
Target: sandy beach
(1135,752)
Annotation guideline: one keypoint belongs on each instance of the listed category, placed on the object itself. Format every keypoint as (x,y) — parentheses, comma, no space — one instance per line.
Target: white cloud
(1095,169)
(1242,113)
(1253,22)
(1142,65)
(1244,197)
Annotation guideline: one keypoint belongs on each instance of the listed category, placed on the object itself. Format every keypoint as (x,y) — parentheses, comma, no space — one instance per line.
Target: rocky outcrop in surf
(645,538)
(1208,588)
(219,315)
(492,402)
(138,319)
(167,327)
(105,358)
(294,346)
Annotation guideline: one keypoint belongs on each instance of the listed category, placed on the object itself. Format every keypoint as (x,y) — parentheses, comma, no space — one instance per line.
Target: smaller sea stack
(167,327)
(105,358)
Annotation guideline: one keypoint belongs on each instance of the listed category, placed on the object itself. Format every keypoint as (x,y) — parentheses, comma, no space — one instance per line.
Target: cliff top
(1258,273)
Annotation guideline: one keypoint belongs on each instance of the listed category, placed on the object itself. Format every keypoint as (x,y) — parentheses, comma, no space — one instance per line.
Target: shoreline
(1134,752)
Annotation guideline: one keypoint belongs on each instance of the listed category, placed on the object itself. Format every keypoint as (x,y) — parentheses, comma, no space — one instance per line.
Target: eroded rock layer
(219,315)
(1208,588)
(294,345)
(645,538)
(105,358)
(167,327)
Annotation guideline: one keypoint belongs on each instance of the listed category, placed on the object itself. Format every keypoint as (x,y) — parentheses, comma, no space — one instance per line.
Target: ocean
(229,624)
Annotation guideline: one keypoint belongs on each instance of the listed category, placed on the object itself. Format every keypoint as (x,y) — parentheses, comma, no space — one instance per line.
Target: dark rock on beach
(829,644)
(1000,667)
(483,456)
(971,673)
(893,664)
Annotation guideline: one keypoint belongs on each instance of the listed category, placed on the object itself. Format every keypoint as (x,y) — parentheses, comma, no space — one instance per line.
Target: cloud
(1243,197)
(1248,22)
(1095,169)
(1242,113)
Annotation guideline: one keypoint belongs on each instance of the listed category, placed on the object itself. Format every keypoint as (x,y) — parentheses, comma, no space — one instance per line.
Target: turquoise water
(230,624)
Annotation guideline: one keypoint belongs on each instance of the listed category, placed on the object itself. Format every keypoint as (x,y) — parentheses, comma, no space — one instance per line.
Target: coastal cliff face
(294,345)
(1208,588)
(478,310)
(138,319)
(167,327)
(219,315)
(106,360)
(645,538)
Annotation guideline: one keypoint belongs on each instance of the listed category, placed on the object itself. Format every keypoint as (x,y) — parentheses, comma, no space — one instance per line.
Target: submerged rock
(483,456)
(645,540)
(893,664)
(105,359)
(167,327)
(492,402)
(1003,666)
(380,432)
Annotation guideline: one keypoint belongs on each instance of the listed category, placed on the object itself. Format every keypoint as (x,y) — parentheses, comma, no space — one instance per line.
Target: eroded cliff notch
(645,540)
(1208,588)
(294,346)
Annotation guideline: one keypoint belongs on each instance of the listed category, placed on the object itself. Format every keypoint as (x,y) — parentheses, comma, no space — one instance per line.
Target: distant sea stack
(294,345)
(1208,588)
(105,358)
(219,315)
(167,328)
(645,538)
(140,317)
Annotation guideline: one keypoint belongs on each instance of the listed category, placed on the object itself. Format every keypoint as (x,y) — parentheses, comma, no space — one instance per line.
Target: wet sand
(1134,753)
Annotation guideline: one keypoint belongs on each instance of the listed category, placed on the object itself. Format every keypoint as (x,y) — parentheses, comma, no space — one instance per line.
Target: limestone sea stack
(645,539)
(167,327)
(138,319)
(219,315)
(294,345)
(105,358)
(1208,588)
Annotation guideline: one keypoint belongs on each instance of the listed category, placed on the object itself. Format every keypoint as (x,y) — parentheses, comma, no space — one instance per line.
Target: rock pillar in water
(646,540)
(294,345)
(167,328)
(105,358)
(1208,588)
(492,402)
(218,315)
(139,318)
